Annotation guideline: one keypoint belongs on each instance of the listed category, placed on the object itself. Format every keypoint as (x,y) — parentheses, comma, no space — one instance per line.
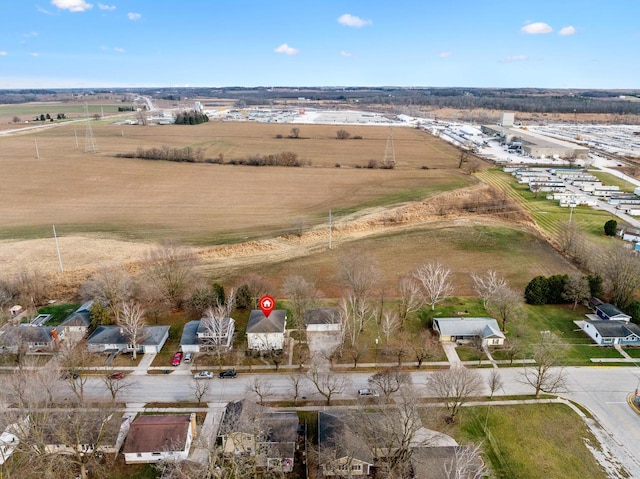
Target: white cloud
(42,10)
(109,8)
(566,31)
(72,5)
(119,50)
(134,16)
(3,53)
(286,49)
(446,54)
(537,28)
(34,54)
(516,58)
(349,20)
(345,54)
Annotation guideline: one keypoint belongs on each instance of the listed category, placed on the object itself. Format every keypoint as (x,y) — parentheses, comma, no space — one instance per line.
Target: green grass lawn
(531,441)
(633,352)
(58,312)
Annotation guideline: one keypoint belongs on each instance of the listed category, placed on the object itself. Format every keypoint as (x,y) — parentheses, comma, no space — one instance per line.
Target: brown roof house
(266,333)
(156,438)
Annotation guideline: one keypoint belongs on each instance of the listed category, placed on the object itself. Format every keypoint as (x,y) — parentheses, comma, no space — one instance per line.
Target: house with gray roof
(77,324)
(266,333)
(207,334)
(464,330)
(112,338)
(608,311)
(31,338)
(606,332)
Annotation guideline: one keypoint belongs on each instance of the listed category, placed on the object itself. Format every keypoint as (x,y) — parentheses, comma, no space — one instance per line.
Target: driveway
(322,344)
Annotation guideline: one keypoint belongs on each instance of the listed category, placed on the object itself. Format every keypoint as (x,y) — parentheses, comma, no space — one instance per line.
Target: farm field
(267,220)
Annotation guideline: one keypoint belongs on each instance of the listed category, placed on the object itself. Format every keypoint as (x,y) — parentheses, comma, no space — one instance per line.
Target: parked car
(229,373)
(368,392)
(69,375)
(177,358)
(116,375)
(187,357)
(203,375)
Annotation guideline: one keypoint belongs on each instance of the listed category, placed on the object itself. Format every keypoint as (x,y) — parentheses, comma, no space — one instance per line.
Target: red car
(177,358)
(116,375)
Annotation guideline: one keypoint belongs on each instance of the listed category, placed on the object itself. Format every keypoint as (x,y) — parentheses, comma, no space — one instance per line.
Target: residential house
(112,338)
(270,437)
(207,334)
(464,330)
(350,445)
(322,319)
(28,338)
(606,332)
(608,311)
(156,438)
(77,325)
(85,433)
(266,333)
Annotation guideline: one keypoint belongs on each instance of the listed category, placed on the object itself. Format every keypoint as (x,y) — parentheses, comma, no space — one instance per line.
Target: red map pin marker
(267,303)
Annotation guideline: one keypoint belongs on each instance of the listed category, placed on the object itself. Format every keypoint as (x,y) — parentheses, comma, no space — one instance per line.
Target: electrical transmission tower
(89,138)
(389,152)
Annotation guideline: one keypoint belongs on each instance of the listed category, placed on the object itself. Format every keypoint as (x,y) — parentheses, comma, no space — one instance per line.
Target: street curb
(630,401)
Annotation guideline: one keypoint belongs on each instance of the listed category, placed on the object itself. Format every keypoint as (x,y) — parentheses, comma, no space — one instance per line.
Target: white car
(203,375)
(368,392)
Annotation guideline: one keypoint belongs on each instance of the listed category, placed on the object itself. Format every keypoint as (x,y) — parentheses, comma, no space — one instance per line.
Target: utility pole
(58,249)
(37,152)
(330,228)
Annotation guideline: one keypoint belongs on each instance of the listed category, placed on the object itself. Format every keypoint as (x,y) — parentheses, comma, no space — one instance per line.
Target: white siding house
(159,438)
(266,333)
(461,330)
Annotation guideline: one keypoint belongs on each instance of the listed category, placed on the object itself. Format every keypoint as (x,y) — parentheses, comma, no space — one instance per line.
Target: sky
(428,43)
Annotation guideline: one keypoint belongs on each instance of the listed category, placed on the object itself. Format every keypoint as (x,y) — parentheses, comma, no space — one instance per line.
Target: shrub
(372,164)
(611,227)
(279,136)
(342,134)
(537,291)
(337,165)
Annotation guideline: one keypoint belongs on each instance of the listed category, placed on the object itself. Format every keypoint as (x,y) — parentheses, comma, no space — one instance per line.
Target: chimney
(194,430)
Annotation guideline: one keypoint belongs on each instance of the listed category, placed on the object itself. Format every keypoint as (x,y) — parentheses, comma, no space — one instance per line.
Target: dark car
(230,373)
(116,375)
(69,375)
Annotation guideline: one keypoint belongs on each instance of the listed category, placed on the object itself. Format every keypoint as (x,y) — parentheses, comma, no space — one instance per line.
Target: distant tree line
(562,288)
(191,118)
(196,155)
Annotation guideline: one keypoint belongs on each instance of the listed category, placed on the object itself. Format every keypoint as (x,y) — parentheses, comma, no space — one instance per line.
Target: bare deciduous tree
(261,388)
(296,382)
(354,316)
(494,382)
(327,383)
(486,286)
(73,359)
(30,286)
(342,134)
(411,297)
(132,322)
(390,324)
(576,289)
(545,376)
(434,278)
(302,294)
(506,303)
(115,385)
(423,347)
(200,387)
(389,381)
(455,386)
(111,286)
(620,270)
(467,463)
(295,132)
(171,271)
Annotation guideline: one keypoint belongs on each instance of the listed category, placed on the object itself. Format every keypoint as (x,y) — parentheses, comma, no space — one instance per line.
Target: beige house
(466,330)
